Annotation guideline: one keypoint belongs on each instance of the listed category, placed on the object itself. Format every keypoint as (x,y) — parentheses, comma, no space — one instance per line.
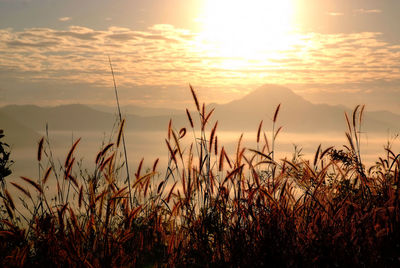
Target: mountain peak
(272,90)
(273,94)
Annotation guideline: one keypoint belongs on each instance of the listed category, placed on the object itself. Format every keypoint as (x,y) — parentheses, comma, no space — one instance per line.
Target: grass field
(208,208)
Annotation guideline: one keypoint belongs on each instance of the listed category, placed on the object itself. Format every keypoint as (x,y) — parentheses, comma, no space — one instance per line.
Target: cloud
(64,18)
(165,56)
(335,14)
(20,1)
(367,11)
(78,33)
(17,43)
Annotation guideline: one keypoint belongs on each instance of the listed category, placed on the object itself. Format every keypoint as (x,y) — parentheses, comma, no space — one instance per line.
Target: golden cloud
(165,55)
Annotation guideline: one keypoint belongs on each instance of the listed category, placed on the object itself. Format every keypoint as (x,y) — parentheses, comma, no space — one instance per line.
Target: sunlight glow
(242,29)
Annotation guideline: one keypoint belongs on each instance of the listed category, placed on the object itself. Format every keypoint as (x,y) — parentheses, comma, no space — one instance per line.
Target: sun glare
(241,29)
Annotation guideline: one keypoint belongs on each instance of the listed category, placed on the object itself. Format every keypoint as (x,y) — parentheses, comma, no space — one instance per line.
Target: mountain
(17,134)
(77,117)
(296,115)
(66,117)
(138,110)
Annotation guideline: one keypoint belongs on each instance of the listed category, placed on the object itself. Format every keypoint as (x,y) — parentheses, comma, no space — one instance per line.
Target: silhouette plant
(210,207)
(5,161)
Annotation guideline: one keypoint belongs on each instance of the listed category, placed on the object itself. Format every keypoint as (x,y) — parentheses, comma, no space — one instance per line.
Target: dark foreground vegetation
(209,208)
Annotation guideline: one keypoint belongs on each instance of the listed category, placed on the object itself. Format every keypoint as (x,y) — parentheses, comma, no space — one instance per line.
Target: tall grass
(209,207)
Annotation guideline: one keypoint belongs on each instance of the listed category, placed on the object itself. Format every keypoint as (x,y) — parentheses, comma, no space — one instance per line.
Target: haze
(318,58)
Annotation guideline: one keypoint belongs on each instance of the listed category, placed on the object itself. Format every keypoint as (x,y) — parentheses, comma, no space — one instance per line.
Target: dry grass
(209,208)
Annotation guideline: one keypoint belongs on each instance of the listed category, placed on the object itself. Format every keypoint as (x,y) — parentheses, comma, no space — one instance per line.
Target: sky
(333,51)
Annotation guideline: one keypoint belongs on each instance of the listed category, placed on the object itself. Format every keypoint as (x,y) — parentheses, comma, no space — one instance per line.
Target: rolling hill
(16,133)
(296,115)
(77,117)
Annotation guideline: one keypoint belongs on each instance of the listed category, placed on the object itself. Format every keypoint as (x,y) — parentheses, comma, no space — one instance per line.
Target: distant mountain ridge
(78,117)
(138,110)
(16,133)
(296,115)
(69,117)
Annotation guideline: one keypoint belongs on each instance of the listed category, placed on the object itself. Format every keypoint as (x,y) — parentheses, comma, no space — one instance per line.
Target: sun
(242,29)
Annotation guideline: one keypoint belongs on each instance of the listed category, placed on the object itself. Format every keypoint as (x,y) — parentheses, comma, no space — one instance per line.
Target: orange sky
(339,51)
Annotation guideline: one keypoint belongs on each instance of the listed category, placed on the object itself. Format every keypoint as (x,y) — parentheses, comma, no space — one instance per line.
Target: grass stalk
(123,135)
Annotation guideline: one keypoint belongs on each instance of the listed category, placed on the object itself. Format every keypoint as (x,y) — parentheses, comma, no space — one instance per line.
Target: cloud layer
(368,11)
(64,18)
(164,56)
